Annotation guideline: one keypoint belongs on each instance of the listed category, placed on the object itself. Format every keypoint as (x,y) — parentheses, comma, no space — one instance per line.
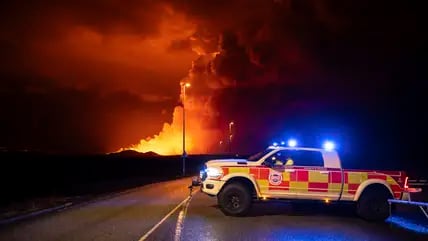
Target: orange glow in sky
(199,137)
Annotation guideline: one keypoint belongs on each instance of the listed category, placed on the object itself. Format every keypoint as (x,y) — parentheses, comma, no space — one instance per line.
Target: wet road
(123,217)
(132,217)
(286,221)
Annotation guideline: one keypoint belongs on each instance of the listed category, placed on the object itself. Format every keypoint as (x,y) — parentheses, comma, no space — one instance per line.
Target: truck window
(258,155)
(299,157)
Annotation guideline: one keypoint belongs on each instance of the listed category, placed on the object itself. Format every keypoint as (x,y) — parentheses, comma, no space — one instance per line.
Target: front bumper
(212,187)
(208,186)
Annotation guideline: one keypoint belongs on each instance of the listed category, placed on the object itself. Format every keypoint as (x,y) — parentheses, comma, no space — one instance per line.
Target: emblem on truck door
(275,178)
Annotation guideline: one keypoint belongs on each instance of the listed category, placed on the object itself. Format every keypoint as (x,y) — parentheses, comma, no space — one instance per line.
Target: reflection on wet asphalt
(121,218)
(286,221)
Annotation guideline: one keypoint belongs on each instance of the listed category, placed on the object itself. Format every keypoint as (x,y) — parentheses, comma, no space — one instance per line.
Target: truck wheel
(373,204)
(234,199)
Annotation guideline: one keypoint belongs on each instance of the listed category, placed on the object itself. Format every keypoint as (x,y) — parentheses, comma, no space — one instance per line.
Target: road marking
(180,220)
(145,236)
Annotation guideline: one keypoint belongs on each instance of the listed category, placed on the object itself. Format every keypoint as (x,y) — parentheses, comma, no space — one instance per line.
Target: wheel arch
(371,184)
(247,180)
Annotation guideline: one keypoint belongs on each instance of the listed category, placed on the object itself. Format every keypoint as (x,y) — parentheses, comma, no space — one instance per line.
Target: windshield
(258,155)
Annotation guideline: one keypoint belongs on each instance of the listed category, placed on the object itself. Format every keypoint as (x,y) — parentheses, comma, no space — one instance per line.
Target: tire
(373,204)
(235,199)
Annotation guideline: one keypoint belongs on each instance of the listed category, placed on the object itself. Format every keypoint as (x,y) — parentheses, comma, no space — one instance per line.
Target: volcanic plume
(202,130)
(230,56)
(97,76)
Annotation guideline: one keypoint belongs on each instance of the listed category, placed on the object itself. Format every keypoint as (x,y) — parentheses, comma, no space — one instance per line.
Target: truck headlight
(214,172)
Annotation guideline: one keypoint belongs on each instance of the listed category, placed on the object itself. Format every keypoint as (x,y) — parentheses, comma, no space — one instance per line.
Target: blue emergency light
(329,145)
(292,143)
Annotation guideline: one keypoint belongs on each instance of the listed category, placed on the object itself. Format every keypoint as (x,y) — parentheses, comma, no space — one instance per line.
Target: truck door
(313,179)
(274,179)
(302,175)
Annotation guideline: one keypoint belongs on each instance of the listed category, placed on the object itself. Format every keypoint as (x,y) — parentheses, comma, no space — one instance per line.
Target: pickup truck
(295,173)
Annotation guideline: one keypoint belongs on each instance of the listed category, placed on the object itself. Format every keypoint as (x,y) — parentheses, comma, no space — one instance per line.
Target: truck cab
(294,173)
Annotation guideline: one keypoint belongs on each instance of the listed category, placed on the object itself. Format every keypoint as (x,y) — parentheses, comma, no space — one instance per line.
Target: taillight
(406,182)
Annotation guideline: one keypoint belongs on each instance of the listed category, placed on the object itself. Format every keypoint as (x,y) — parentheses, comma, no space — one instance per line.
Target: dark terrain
(32,181)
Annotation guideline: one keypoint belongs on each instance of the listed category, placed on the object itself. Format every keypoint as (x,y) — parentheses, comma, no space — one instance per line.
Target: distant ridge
(132,153)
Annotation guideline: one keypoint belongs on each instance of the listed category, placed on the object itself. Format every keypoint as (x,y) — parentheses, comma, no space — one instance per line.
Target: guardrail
(423,206)
(418,182)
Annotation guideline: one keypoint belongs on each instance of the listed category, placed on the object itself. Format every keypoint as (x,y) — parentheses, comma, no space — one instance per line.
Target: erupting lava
(200,137)
(169,140)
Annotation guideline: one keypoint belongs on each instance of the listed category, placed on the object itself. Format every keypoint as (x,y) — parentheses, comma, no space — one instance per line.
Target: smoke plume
(97,76)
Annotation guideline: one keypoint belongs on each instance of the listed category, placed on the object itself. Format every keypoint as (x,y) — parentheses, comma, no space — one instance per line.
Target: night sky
(95,76)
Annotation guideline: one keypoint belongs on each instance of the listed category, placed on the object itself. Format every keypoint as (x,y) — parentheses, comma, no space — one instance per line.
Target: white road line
(180,221)
(145,236)
(177,235)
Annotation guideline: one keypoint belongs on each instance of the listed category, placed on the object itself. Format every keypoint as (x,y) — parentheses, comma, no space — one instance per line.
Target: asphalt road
(141,215)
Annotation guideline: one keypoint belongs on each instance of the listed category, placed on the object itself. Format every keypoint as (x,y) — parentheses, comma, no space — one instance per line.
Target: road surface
(153,213)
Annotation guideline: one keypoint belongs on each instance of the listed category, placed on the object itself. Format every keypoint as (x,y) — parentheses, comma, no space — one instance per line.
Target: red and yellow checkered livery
(293,173)
(307,180)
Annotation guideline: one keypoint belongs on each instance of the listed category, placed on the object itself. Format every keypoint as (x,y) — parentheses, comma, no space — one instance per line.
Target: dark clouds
(354,68)
(95,76)
(122,62)
(44,117)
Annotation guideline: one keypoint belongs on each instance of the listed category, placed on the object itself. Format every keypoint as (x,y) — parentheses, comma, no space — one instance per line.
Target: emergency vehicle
(291,172)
